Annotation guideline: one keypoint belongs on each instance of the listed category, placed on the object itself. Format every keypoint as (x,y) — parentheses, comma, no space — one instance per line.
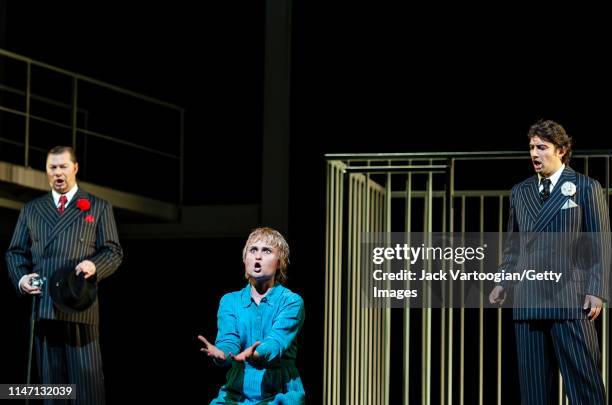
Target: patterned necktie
(62,204)
(545,193)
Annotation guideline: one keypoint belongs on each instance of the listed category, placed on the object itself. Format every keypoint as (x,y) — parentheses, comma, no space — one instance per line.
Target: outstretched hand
(249,354)
(211,350)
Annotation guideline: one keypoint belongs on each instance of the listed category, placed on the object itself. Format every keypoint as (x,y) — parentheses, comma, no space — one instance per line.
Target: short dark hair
(58,150)
(552,132)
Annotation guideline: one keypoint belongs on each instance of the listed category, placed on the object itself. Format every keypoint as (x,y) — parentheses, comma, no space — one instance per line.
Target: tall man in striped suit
(558,222)
(66,227)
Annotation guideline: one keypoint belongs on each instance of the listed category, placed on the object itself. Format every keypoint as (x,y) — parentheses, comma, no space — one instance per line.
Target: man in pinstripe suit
(562,217)
(66,227)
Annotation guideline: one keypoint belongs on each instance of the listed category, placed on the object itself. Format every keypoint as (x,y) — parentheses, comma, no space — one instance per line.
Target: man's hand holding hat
(86,267)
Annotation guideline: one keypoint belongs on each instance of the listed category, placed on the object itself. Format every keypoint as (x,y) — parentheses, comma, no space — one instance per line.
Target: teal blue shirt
(275,322)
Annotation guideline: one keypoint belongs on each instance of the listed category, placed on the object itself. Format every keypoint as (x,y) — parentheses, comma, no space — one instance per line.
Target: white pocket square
(569,204)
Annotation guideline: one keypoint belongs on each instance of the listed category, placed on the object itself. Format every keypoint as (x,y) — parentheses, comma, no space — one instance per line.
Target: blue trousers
(69,353)
(546,346)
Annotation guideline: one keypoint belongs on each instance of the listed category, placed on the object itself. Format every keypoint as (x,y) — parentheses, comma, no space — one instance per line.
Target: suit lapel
(556,200)
(47,210)
(70,215)
(531,196)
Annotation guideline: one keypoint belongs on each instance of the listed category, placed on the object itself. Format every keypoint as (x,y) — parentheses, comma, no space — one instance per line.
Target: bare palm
(248,354)
(211,350)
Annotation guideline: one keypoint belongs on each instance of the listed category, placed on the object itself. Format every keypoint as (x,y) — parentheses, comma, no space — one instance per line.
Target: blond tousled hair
(273,238)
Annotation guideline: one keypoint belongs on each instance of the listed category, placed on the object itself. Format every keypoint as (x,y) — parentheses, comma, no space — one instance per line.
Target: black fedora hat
(71,293)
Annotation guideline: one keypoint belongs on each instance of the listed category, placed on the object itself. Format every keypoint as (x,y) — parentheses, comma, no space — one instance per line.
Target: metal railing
(78,127)
(421,192)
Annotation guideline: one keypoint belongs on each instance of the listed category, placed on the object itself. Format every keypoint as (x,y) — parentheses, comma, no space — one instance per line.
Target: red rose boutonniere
(83,204)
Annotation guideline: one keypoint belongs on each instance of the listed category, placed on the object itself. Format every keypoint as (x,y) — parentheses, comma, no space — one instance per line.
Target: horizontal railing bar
(12,111)
(92,133)
(39,98)
(17,143)
(110,138)
(89,79)
(36,117)
(51,122)
(457,193)
(395,169)
(453,155)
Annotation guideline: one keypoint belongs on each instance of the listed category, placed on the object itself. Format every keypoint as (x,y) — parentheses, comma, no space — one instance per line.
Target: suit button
(82,239)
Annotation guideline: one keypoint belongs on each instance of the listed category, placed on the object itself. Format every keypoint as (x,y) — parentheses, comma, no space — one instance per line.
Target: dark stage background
(365,78)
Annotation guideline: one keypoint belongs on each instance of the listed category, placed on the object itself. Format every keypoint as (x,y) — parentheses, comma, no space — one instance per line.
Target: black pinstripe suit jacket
(44,241)
(573,241)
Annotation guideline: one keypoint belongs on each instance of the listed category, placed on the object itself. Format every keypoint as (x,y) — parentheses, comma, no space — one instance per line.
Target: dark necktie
(62,204)
(545,193)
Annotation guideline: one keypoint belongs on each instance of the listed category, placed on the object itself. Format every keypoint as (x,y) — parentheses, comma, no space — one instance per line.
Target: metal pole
(75,84)
(182,159)
(27,116)
(31,344)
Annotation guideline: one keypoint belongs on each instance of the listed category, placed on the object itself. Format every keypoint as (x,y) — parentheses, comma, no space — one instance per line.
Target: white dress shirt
(553,179)
(69,195)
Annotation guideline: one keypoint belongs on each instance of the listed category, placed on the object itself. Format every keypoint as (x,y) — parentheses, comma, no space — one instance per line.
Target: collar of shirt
(553,179)
(69,195)
(269,298)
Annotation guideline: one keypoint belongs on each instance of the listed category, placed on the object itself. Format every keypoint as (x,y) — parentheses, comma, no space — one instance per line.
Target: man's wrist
(19,284)
(595,296)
